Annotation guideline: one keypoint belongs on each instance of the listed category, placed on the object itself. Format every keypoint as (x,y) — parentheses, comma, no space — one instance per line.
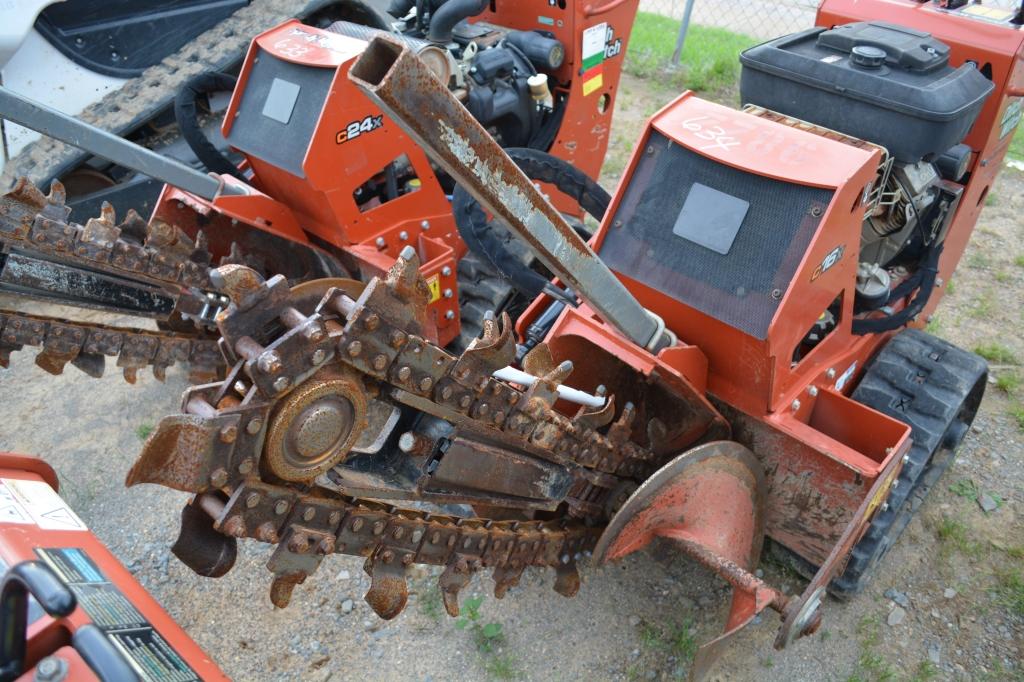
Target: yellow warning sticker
(435,288)
(592,85)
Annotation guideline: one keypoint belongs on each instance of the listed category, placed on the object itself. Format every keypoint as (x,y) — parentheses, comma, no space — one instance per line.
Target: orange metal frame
(321,205)
(52,637)
(822,451)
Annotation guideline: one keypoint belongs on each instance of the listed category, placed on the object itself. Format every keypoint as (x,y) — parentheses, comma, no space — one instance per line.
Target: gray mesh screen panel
(735,287)
(276,122)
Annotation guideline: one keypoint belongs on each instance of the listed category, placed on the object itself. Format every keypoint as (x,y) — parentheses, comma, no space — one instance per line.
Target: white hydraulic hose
(573,395)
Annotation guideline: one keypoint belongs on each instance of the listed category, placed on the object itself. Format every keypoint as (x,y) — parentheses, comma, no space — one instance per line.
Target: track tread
(927,383)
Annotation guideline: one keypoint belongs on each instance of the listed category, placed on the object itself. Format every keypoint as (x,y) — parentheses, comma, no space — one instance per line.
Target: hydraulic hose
(923,280)
(443,21)
(186,113)
(481,236)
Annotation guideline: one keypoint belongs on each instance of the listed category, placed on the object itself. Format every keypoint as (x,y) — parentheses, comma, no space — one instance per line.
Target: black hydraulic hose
(923,280)
(186,113)
(443,21)
(481,236)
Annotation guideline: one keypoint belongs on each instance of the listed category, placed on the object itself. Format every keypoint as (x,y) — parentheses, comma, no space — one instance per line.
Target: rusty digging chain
(155,253)
(217,447)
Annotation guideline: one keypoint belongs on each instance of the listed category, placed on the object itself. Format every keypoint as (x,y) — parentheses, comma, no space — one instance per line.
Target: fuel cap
(868,56)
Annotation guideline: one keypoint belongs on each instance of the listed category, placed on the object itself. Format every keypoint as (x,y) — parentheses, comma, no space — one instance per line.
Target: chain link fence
(757,19)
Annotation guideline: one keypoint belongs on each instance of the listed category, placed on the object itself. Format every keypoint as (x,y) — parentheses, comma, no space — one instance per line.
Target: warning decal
(38,503)
(10,510)
(594,39)
(128,630)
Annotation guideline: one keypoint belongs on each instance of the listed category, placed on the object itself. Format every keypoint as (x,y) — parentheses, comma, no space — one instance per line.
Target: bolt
(380,362)
(450,315)
(309,514)
(371,322)
(795,405)
(378,527)
(318,356)
(235,527)
(404,373)
(381,243)
(895,483)
(252,499)
(269,362)
(446,393)
(49,668)
(281,383)
(254,426)
(280,507)
(403,235)
(812,391)
(335,518)
(885,506)
(267,533)
(776,294)
(397,339)
(298,543)
(831,373)
(906,459)
(354,349)
(816,211)
(407,253)
(326,545)
(219,478)
(426,383)
(229,433)
(446,271)
(425,224)
(448,293)
(245,466)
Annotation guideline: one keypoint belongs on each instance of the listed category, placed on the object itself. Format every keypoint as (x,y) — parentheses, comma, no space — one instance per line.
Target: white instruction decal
(847,375)
(45,507)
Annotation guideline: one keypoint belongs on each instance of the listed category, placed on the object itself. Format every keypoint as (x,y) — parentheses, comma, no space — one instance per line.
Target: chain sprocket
(217,449)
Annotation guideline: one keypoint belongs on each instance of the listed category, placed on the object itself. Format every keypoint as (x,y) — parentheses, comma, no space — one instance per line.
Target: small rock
(347,606)
(992,379)
(949,593)
(634,621)
(899,598)
(343,574)
(987,503)
(896,616)
(759,573)
(651,675)
(635,653)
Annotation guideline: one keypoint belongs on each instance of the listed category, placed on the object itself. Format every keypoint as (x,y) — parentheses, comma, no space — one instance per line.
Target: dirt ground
(952,573)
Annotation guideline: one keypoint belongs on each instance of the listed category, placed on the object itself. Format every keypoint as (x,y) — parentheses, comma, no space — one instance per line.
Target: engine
(894,87)
(501,75)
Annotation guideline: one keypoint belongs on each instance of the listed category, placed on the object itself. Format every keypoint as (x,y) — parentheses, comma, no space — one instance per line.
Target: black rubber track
(934,387)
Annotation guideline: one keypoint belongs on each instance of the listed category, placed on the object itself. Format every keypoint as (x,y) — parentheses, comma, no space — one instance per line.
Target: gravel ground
(941,609)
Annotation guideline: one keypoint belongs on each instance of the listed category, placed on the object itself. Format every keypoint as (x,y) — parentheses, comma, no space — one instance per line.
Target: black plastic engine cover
(880,82)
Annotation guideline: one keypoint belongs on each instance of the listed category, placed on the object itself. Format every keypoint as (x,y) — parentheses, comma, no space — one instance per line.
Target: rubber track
(131,105)
(482,287)
(927,383)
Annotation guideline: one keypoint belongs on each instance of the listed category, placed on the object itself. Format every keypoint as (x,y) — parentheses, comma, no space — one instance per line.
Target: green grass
(1008,383)
(1017,412)
(871,664)
(431,605)
(1016,150)
(954,535)
(710,59)
(996,352)
(926,670)
(143,431)
(1011,590)
(1019,261)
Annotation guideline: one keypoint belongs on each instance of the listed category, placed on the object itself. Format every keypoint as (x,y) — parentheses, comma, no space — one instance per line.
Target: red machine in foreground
(68,608)
(735,355)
